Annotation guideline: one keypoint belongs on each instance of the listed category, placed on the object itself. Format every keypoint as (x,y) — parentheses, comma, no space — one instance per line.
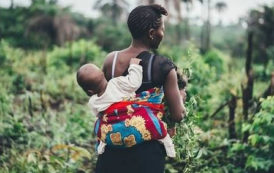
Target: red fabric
(118,112)
(124,104)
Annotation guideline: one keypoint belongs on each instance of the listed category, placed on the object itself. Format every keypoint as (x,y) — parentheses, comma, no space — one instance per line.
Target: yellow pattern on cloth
(105,129)
(130,141)
(116,138)
(139,123)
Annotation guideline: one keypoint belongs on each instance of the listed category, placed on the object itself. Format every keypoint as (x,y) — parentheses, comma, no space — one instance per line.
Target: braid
(143,18)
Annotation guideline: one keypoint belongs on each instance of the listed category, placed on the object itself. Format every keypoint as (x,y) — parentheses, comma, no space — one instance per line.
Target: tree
(261,22)
(220,7)
(206,29)
(186,20)
(177,6)
(180,19)
(54,29)
(11,4)
(112,8)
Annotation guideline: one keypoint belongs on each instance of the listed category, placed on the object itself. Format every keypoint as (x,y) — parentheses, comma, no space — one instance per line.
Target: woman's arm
(173,97)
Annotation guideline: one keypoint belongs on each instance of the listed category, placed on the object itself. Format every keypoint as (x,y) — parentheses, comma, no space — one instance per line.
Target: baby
(104,94)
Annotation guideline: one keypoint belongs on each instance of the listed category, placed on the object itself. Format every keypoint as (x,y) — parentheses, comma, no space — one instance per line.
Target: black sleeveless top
(155,70)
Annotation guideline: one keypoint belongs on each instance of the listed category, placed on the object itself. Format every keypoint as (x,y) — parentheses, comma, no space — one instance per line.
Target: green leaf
(246,127)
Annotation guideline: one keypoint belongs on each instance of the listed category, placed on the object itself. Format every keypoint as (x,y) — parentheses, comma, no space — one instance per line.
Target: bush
(216,61)
(41,126)
(111,37)
(74,54)
(260,140)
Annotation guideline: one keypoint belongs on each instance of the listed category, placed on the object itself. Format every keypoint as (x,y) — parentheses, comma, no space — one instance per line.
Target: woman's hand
(173,97)
(183,94)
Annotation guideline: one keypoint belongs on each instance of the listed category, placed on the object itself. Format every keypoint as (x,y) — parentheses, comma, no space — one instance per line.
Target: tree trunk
(30,107)
(11,4)
(249,53)
(208,27)
(177,6)
(187,30)
(231,122)
(248,90)
(179,33)
(114,7)
(202,36)
(206,31)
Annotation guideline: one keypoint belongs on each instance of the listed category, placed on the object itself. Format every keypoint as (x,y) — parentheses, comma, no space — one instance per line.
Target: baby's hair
(143,18)
(87,77)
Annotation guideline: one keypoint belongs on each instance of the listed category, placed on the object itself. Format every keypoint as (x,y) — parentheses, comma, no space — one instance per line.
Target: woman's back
(146,157)
(155,67)
(147,29)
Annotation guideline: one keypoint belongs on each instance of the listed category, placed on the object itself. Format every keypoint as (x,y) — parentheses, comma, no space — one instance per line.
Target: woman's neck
(138,46)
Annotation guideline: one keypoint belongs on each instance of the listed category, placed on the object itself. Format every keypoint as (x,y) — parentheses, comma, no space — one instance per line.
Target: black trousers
(148,157)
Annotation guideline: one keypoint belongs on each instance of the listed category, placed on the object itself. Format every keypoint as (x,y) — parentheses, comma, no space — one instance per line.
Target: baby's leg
(101,147)
(169,146)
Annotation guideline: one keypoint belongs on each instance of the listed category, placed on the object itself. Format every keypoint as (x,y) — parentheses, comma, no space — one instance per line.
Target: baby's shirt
(118,89)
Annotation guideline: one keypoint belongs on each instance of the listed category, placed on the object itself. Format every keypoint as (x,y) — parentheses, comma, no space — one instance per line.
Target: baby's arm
(131,82)
(135,61)
(92,105)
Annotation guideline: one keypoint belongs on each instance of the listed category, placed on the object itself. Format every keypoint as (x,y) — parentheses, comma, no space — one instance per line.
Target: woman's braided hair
(143,18)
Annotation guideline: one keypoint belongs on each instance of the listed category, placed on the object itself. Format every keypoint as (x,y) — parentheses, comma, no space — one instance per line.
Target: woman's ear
(151,34)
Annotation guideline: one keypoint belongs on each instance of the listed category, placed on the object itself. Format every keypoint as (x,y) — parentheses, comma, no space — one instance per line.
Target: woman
(147,29)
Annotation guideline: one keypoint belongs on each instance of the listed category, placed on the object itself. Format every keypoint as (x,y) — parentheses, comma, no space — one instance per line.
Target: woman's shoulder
(109,59)
(159,58)
(165,63)
(107,66)
(164,59)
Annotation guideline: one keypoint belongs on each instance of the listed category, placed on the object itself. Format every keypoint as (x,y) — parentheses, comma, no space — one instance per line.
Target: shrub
(111,37)
(74,54)
(261,143)
(216,61)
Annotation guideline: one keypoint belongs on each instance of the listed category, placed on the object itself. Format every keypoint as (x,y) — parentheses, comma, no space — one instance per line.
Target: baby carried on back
(124,118)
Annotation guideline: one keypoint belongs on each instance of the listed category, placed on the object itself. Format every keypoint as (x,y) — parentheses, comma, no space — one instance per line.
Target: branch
(220,108)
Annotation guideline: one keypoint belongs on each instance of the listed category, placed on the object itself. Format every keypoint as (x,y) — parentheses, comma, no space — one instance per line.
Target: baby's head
(91,79)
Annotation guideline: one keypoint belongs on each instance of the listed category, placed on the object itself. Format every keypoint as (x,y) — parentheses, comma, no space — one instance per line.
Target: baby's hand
(134,61)
(171,131)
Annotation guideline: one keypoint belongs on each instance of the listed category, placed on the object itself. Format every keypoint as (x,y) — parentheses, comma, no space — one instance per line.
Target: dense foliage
(46,126)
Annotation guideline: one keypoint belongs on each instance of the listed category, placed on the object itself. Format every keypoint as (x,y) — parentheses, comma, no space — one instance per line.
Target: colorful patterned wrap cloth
(127,123)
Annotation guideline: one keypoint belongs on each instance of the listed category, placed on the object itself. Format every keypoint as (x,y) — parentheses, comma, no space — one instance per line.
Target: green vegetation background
(46,126)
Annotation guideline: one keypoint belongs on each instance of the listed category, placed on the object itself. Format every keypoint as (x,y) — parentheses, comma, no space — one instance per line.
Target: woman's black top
(148,157)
